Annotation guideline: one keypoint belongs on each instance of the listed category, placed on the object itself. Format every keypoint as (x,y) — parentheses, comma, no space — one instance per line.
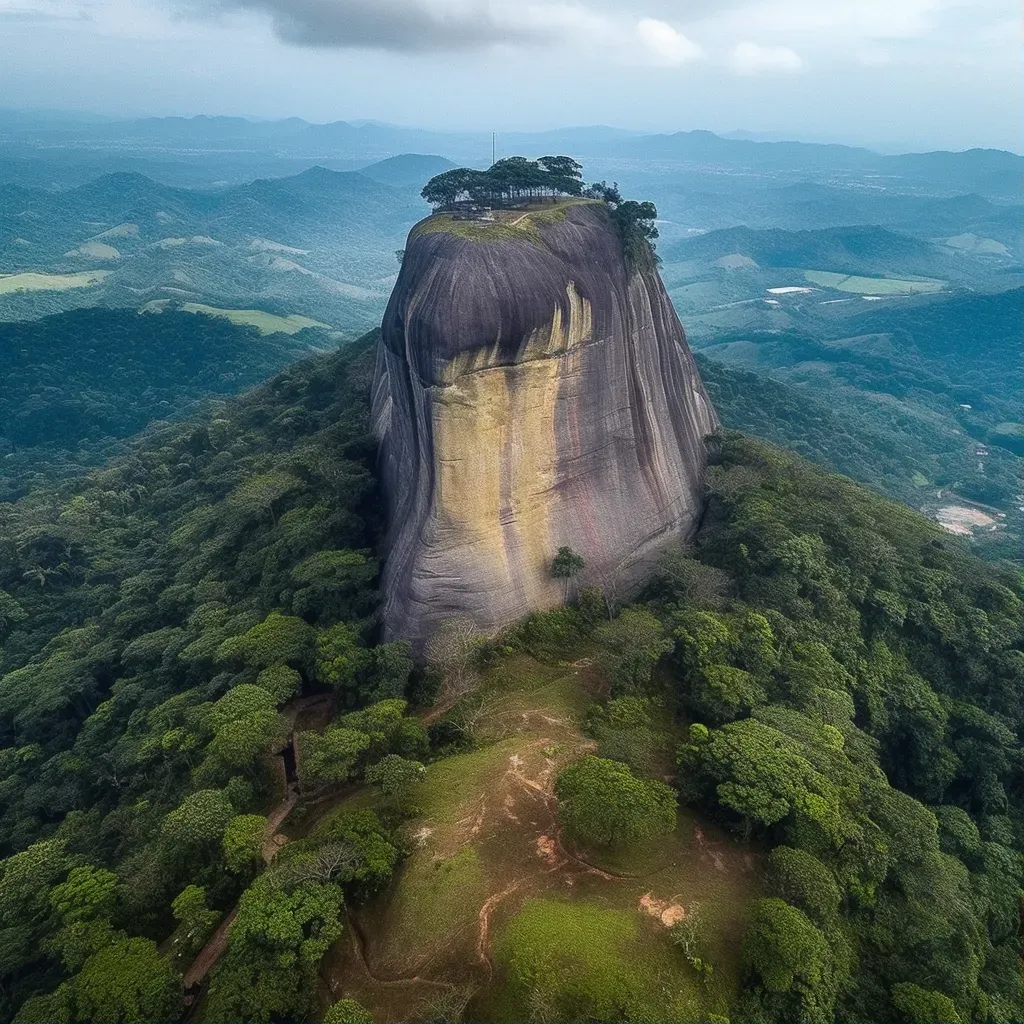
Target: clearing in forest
(265,323)
(487,852)
(33,282)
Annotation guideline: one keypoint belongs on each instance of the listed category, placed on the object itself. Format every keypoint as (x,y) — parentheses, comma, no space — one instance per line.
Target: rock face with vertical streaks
(531,392)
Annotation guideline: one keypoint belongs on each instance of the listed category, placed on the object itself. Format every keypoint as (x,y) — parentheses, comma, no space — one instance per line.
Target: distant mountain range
(48,149)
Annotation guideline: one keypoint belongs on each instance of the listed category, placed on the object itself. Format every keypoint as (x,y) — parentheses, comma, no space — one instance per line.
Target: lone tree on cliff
(567,563)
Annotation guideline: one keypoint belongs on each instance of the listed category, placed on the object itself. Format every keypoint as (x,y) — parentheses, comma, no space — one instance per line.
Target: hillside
(408,169)
(75,383)
(832,686)
(319,243)
(936,382)
(862,250)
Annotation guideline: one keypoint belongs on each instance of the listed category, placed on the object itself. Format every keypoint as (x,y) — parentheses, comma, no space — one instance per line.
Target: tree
(277,640)
(635,223)
(924,1006)
(26,881)
(333,585)
(394,776)
(389,669)
(444,190)
(702,638)
(721,693)
(239,745)
(383,722)
(86,894)
(791,958)
(259,495)
(196,920)
(340,656)
(624,730)
(198,822)
(243,842)
(127,981)
(602,802)
(240,702)
(375,853)
(331,756)
(453,651)
(347,1011)
(602,190)
(766,776)
(567,564)
(633,644)
(278,938)
(281,682)
(805,882)
(564,174)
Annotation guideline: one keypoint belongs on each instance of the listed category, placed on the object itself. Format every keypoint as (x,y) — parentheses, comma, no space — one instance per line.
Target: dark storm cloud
(408,26)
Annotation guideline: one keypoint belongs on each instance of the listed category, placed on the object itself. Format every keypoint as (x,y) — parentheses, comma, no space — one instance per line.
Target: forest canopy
(511,180)
(838,684)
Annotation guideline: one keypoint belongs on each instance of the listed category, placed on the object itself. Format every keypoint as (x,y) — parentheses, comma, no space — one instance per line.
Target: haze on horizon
(893,74)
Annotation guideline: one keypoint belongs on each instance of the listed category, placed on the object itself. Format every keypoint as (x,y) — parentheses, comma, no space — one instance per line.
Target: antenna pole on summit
(493,138)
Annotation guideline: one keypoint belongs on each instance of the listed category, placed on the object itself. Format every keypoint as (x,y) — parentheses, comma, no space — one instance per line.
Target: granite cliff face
(531,392)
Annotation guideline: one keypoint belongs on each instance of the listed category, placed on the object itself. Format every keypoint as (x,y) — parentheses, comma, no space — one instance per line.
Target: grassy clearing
(873,285)
(585,961)
(486,848)
(265,323)
(504,225)
(32,282)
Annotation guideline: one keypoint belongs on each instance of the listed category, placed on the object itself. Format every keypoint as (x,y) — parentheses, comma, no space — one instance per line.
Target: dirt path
(483,947)
(210,953)
(274,839)
(214,948)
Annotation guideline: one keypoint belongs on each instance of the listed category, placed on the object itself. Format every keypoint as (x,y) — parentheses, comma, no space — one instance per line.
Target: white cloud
(752,59)
(666,44)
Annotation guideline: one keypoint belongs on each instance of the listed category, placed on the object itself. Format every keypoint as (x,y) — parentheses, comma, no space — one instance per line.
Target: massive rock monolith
(532,391)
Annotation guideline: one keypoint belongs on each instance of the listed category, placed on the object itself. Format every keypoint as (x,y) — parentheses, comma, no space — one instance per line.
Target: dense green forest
(76,382)
(824,674)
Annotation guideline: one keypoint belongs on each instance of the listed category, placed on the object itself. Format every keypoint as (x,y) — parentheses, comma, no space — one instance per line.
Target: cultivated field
(873,285)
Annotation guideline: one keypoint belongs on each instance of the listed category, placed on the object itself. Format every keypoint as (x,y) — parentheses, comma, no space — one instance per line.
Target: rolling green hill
(851,250)
(319,244)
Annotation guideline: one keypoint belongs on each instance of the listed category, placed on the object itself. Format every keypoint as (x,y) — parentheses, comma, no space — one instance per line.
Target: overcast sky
(904,73)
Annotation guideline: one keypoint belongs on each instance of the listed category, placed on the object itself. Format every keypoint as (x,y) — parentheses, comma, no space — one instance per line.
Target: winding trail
(358,942)
(272,843)
(208,955)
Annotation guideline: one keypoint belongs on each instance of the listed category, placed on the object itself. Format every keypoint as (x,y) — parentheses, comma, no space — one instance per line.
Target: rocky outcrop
(531,392)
